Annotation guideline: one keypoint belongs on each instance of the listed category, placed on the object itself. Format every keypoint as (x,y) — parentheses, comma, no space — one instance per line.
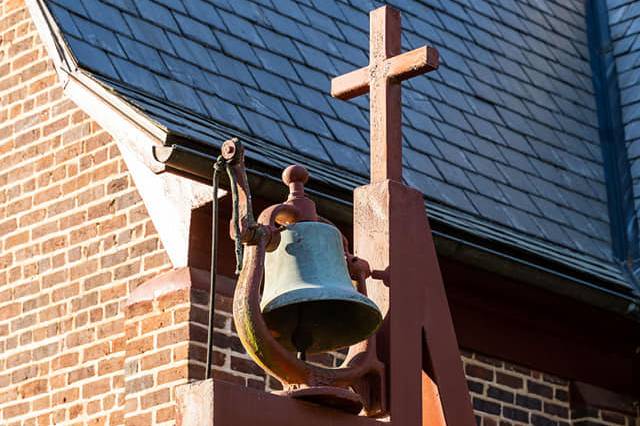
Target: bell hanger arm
(260,237)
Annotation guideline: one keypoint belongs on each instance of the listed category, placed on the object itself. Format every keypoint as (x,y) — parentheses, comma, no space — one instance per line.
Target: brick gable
(75,239)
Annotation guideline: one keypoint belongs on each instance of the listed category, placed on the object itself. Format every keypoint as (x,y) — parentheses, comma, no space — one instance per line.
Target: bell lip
(364,302)
(319,294)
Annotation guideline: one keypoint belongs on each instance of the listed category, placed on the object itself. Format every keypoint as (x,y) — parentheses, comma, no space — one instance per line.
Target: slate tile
(490,209)
(179,6)
(484,110)
(421,163)
(313,78)
(184,72)
(122,4)
(223,111)
(241,28)
(148,33)
(554,232)
(321,21)
(316,58)
(358,18)
(485,23)
(308,120)
(305,142)
(291,9)
(138,77)
(354,55)
(265,127)
(519,198)
(237,48)
(453,174)
(228,90)
(427,32)
(511,67)
(64,20)
(267,105)
(454,25)
(524,222)
(449,194)
(483,91)
(551,210)
(514,37)
(453,97)
(192,52)
(421,122)
(421,142)
(485,166)
(454,117)
(142,54)
(346,157)
(518,179)
(98,36)
(330,8)
(484,128)
(347,134)
(454,154)
(72,5)
(181,94)
(196,30)
(92,57)
(249,10)
(283,25)
(156,13)
(311,98)
(518,160)
(272,84)
(488,188)
(279,44)
(515,121)
(106,15)
(204,12)
(509,18)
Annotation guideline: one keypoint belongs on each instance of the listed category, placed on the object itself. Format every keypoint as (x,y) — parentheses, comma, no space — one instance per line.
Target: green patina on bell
(309,301)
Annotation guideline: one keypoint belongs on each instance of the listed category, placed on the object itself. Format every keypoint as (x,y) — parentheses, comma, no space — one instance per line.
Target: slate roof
(503,134)
(624,20)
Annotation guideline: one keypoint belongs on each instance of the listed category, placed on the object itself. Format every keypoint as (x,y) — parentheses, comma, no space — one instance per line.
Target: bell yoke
(309,303)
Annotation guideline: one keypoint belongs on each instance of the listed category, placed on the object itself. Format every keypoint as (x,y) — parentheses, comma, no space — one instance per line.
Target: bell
(309,302)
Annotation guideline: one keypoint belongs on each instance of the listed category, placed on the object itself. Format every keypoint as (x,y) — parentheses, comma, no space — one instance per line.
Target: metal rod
(214,266)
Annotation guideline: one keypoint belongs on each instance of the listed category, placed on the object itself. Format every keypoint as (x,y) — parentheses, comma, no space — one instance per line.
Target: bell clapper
(301,336)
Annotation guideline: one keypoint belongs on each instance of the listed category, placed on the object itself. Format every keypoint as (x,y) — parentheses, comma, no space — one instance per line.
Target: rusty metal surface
(425,385)
(233,405)
(361,371)
(387,68)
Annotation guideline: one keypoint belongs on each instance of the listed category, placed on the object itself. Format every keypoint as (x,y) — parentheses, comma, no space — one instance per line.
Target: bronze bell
(309,301)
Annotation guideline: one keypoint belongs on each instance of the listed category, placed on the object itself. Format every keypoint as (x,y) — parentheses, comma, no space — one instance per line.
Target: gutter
(451,241)
(456,234)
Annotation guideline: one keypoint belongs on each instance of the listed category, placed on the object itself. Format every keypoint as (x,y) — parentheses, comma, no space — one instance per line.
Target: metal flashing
(623,220)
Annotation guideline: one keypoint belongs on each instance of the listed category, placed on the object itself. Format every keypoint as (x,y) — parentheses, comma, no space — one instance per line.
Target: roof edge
(177,153)
(456,237)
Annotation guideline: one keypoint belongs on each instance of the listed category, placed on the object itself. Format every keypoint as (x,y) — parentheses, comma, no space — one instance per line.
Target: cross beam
(381,79)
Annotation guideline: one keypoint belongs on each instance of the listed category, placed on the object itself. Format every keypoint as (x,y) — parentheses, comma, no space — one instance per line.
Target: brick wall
(75,239)
(507,394)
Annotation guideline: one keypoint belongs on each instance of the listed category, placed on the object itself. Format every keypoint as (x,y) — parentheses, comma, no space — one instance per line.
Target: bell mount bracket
(359,383)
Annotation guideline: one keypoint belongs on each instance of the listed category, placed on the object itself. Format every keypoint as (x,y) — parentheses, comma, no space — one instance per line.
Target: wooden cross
(387,68)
